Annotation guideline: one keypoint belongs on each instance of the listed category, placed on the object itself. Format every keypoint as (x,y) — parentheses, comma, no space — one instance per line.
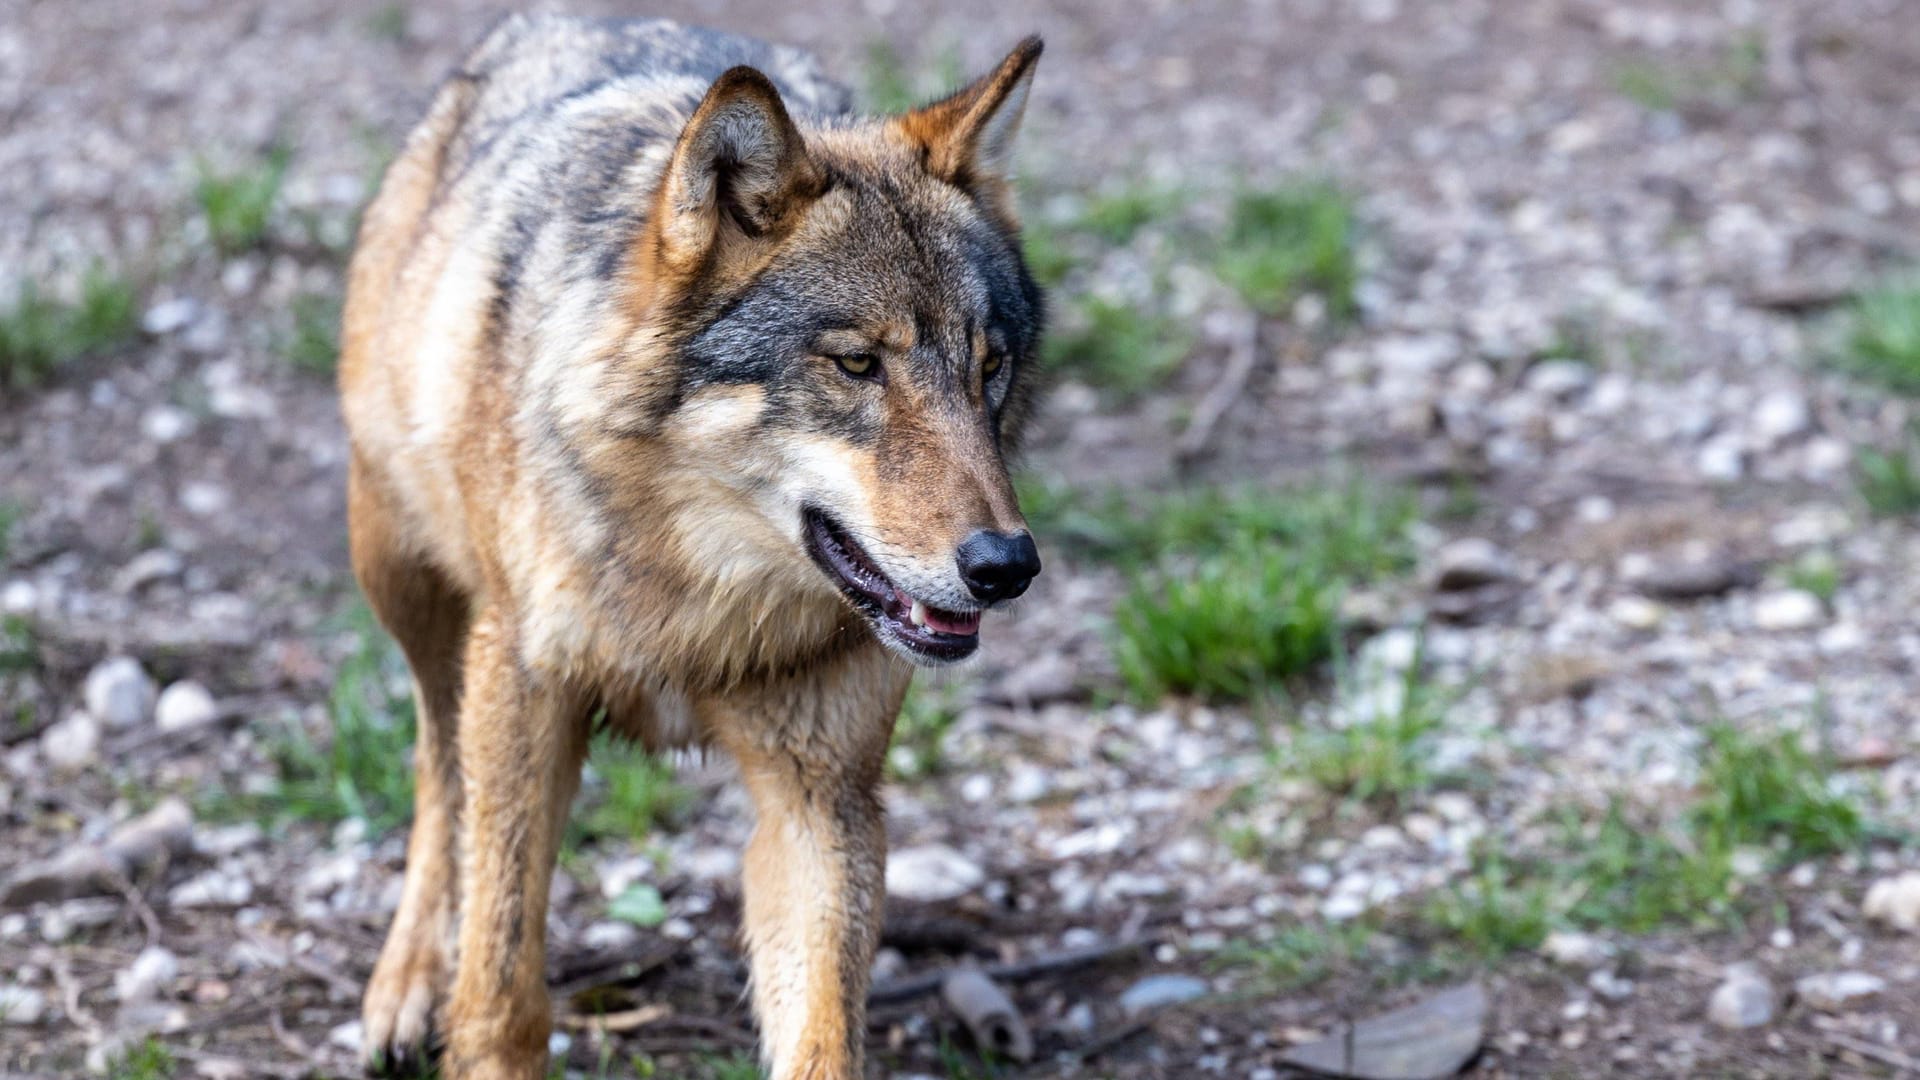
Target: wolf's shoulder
(530,59)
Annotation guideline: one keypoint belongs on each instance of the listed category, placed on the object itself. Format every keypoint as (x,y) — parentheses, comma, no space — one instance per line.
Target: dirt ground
(1687,188)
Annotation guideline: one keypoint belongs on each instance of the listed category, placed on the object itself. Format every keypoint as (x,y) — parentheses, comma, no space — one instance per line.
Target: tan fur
(549,533)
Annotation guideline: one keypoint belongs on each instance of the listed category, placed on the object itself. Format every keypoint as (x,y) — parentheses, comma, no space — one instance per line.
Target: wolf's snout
(997,566)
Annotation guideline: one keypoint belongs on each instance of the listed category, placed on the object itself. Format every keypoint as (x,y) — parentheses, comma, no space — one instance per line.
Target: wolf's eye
(859,365)
(990,366)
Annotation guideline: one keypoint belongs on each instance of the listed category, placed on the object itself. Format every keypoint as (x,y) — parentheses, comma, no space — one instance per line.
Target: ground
(1549,625)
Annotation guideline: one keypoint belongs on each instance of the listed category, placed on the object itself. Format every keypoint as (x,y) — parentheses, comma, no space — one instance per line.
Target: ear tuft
(967,138)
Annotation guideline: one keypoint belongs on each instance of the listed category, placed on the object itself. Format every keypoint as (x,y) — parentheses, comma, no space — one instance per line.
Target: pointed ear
(967,139)
(740,173)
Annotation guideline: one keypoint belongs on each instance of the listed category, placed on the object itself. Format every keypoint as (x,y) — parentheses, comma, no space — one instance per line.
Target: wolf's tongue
(946,622)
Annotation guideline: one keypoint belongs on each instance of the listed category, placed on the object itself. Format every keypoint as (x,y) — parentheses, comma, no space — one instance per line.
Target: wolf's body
(625,346)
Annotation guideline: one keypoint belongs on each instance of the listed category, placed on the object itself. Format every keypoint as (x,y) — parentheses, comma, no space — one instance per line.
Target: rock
(150,974)
(1636,613)
(1608,984)
(184,705)
(1696,579)
(1157,992)
(1559,379)
(170,316)
(119,693)
(1570,948)
(73,743)
(1895,901)
(1787,609)
(1051,677)
(212,889)
(166,423)
(932,873)
(1777,417)
(147,568)
(1744,999)
(1470,563)
(609,936)
(21,1005)
(1832,991)
(1428,1040)
(346,1036)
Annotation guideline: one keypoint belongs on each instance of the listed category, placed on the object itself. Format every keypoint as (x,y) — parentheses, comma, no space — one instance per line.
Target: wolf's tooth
(919,614)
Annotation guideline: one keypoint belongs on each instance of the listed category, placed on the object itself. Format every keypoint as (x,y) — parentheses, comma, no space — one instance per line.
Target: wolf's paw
(396,1017)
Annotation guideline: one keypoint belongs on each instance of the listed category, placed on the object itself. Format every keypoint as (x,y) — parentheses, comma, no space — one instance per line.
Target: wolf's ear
(740,172)
(967,138)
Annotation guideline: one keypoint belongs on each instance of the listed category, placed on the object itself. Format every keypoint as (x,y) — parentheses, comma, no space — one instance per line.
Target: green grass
(150,1060)
(364,769)
(1384,756)
(1882,335)
(892,86)
(1114,217)
(1289,241)
(1119,349)
(1888,480)
(1046,252)
(1817,572)
(1739,74)
(1225,629)
(1299,955)
(628,792)
(739,1066)
(38,333)
(314,344)
(390,22)
(1231,591)
(238,205)
(19,646)
(10,515)
(1638,870)
(920,732)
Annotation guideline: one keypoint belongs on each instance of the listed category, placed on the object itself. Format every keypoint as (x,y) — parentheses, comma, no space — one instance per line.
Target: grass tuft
(364,770)
(1300,956)
(628,793)
(38,334)
(314,345)
(891,87)
(238,206)
(1386,754)
(1119,349)
(1287,242)
(920,732)
(1888,480)
(1116,216)
(150,1060)
(1882,339)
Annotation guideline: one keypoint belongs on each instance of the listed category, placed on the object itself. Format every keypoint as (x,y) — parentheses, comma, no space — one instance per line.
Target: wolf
(680,401)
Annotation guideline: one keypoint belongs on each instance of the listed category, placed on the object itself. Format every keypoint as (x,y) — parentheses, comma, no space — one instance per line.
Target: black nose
(996,566)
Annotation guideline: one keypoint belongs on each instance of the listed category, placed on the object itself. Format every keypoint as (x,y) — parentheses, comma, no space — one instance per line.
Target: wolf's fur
(587,373)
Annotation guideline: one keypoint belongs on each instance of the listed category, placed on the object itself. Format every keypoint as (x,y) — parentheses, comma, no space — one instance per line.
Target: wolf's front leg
(815,884)
(521,745)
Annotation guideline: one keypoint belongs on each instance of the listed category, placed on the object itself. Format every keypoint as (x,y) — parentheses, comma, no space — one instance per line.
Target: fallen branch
(908,987)
(1885,1055)
(160,834)
(1243,356)
(614,1023)
(990,1015)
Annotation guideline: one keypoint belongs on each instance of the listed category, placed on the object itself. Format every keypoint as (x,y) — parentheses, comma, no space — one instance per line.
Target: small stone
(610,936)
(1721,458)
(150,974)
(1787,609)
(166,424)
(1779,416)
(1895,901)
(1570,948)
(1559,379)
(1694,579)
(73,743)
(170,316)
(1636,613)
(21,1005)
(1051,677)
(1832,991)
(1744,999)
(346,1036)
(932,873)
(1161,991)
(212,889)
(147,568)
(1608,984)
(184,705)
(19,598)
(1469,564)
(204,499)
(119,693)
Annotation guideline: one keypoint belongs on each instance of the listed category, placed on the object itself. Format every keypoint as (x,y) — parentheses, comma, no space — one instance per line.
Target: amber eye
(991,366)
(859,365)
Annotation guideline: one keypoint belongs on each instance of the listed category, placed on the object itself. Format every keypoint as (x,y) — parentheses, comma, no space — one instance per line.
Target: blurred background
(1477,497)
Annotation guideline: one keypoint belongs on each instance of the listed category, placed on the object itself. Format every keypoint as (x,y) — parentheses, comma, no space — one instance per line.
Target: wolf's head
(854,335)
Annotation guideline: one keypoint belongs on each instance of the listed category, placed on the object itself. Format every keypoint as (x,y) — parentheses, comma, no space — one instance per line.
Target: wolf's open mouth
(910,623)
